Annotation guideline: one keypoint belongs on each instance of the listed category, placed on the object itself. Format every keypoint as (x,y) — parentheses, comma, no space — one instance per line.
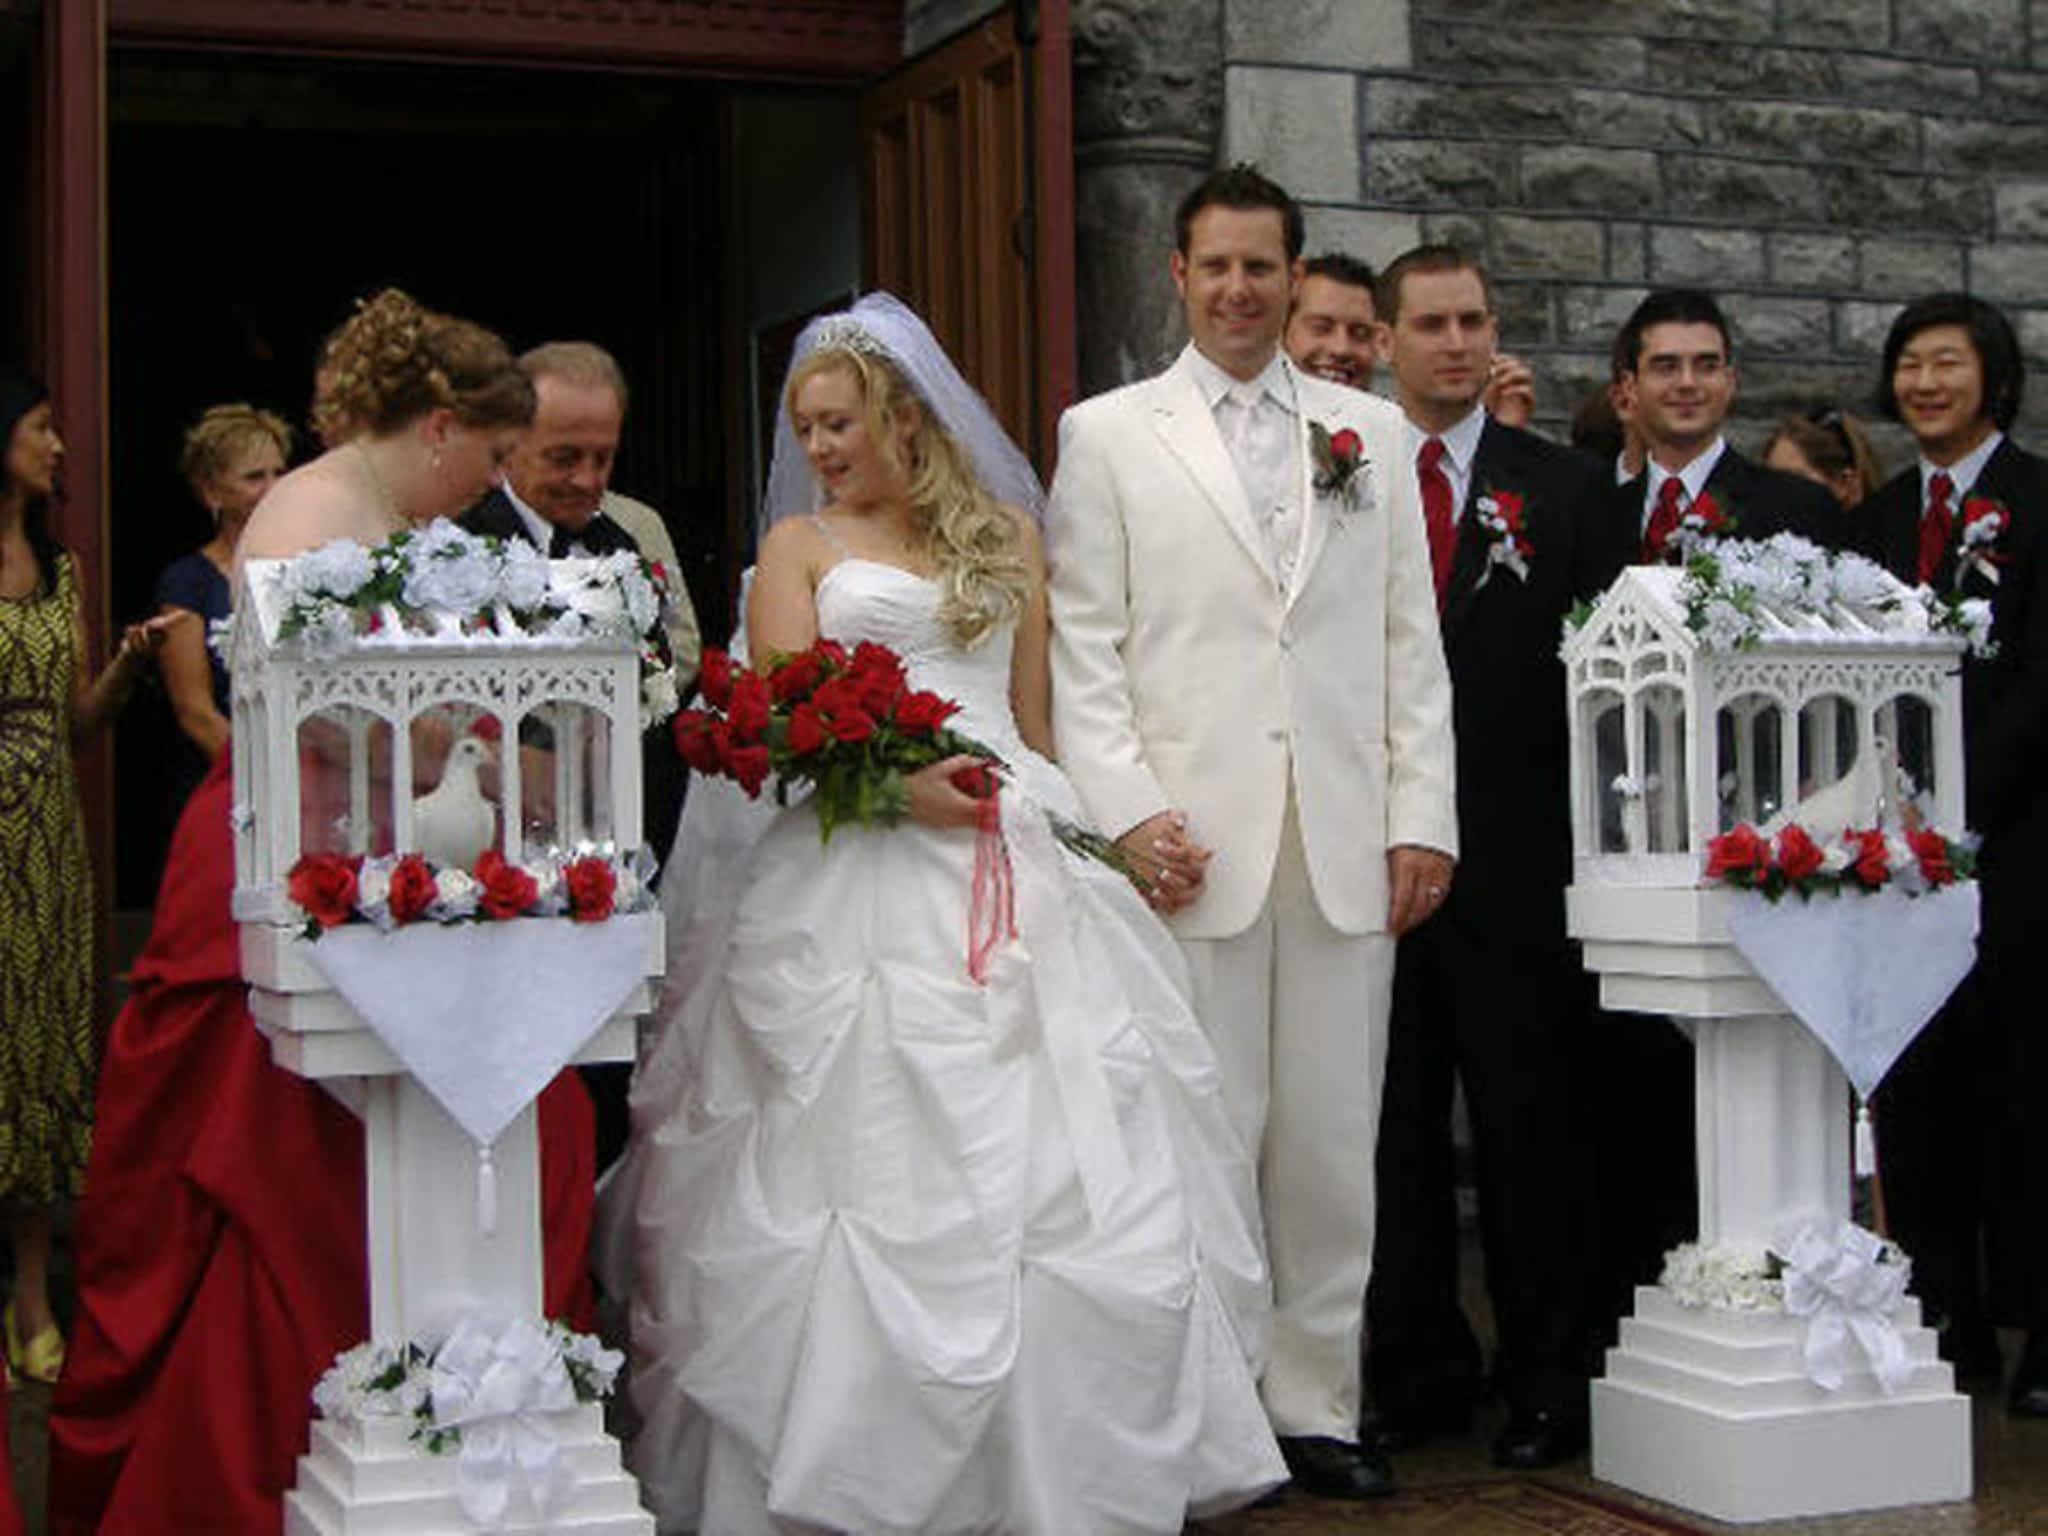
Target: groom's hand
(1170,862)
(1418,879)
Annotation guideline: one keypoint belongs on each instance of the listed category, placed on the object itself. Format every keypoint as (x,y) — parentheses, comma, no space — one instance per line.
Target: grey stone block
(1298,124)
(1812,261)
(1860,326)
(1598,180)
(1993,30)
(2017,97)
(1588,316)
(1817,133)
(1628,253)
(2010,273)
(1495,52)
(1770,387)
(2033,328)
(1425,108)
(1636,117)
(1908,267)
(1467,231)
(1549,247)
(1525,314)
(1374,235)
(1856,197)
(1702,18)
(1409,172)
(1373,36)
(1563,379)
(1694,256)
(1686,65)
(1742,191)
(2021,209)
(1875,80)
(1771,325)
(2037,22)
(1967,144)
(1861,23)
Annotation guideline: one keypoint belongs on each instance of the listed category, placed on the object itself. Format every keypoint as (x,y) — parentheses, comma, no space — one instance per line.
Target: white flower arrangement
(1734,589)
(1725,1277)
(590,882)
(441,579)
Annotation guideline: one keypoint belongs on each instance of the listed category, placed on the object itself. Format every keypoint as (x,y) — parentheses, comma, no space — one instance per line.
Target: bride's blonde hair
(975,543)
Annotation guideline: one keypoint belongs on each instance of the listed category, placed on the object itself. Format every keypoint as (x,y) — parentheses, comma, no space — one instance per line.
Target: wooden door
(967,191)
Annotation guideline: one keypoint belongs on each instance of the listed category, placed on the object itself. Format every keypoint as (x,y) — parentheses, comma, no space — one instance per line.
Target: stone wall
(1814,162)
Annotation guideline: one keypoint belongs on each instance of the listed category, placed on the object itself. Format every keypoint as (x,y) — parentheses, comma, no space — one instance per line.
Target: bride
(914,1253)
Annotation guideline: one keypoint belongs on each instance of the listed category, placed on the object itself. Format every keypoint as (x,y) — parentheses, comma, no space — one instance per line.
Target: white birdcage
(341,747)
(1827,712)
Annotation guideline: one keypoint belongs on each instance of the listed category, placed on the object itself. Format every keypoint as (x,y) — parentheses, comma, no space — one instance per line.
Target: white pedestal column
(1709,1409)
(442,1244)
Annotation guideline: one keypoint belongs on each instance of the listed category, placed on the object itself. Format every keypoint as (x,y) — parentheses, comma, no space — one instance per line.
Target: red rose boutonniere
(1706,519)
(1506,531)
(1984,522)
(1339,456)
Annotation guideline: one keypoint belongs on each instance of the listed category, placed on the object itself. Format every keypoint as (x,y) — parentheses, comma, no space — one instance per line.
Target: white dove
(1865,795)
(452,823)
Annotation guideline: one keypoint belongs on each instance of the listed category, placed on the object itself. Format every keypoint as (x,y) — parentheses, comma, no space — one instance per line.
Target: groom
(1250,695)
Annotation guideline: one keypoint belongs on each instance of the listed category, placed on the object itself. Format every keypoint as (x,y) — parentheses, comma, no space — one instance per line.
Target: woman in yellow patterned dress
(49,705)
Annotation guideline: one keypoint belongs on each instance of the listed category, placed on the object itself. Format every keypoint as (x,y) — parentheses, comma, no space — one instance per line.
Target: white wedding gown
(914,1254)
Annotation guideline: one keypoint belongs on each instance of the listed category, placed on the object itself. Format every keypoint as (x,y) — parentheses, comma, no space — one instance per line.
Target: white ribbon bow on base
(1847,1283)
(491,1382)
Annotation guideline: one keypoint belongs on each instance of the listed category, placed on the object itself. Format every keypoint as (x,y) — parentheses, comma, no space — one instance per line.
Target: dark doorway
(251,200)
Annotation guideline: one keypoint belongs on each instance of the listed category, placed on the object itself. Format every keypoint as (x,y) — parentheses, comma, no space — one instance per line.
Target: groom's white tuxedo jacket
(1182,677)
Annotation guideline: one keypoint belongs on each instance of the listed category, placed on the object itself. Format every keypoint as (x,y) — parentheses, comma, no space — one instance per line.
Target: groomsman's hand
(1418,879)
(1171,862)
(1510,396)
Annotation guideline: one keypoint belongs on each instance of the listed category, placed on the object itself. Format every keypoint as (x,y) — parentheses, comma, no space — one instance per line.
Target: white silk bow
(492,1382)
(1847,1283)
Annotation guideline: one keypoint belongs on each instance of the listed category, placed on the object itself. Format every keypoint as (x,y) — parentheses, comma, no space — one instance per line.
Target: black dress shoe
(1532,1441)
(1336,1469)
(2028,1398)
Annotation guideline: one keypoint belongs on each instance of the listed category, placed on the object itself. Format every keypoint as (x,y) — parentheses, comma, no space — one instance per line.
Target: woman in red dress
(219,1244)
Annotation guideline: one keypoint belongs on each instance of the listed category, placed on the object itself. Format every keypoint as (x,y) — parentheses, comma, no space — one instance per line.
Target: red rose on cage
(412,889)
(507,890)
(1931,851)
(1870,858)
(591,884)
(1799,856)
(324,886)
(1741,855)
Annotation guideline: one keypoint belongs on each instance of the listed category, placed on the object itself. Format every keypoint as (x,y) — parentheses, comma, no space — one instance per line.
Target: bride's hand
(935,800)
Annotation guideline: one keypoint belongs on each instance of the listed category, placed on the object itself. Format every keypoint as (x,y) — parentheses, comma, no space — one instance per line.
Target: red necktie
(1936,524)
(1437,516)
(1663,520)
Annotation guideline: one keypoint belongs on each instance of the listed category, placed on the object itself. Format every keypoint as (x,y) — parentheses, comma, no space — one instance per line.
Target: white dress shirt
(1256,418)
(1962,474)
(538,528)
(1461,447)
(1692,478)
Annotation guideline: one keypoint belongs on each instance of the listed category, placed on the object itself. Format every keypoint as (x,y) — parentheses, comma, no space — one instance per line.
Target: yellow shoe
(41,1359)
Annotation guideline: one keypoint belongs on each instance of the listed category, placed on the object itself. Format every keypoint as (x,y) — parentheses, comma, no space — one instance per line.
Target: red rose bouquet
(847,723)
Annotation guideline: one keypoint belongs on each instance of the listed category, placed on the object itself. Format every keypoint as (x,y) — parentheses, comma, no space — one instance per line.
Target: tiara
(844,333)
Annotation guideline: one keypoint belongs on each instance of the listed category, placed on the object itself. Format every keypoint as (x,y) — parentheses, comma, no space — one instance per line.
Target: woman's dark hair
(1834,443)
(20,394)
(1668,306)
(1998,350)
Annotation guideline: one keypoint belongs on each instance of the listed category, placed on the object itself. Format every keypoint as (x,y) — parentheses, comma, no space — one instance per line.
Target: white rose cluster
(1724,1277)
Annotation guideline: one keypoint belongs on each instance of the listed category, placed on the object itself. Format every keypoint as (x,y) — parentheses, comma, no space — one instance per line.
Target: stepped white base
(370,1480)
(1712,1411)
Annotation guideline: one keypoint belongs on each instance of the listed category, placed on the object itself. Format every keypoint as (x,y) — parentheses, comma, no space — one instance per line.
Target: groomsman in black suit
(1489,992)
(1675,366)
(1959,1134)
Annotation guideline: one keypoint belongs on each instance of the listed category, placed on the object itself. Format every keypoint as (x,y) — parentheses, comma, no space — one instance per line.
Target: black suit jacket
(496,517)
(2005,697)
(1763,502)
(1501,636)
